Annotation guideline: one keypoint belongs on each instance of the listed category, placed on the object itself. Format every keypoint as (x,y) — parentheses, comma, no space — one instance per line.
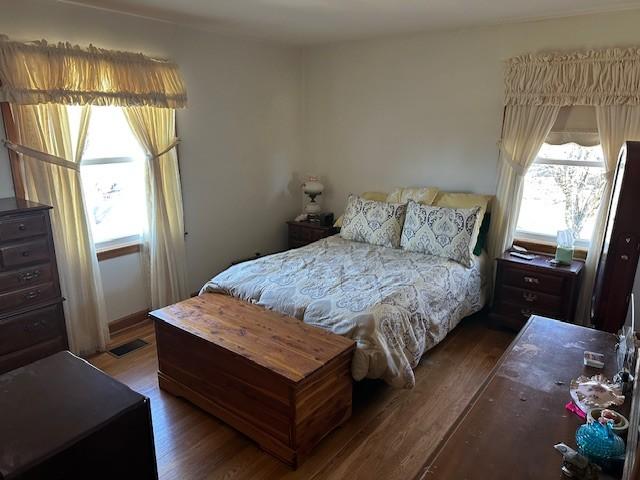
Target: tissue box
(564,255)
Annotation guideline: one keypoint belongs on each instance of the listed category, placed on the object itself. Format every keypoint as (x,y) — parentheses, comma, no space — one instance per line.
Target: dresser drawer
(536,281)
(27,296)
(22,331)
(22,227)
(24,253)
(24,277)
(531,299)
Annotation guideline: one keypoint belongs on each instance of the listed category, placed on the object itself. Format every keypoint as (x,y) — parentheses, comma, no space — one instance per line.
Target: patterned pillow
(377,223)
(442,231)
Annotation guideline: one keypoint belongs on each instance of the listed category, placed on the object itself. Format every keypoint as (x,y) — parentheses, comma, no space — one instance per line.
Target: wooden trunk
(281,382)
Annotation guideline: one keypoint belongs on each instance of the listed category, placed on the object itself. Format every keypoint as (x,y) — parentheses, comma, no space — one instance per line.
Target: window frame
(542,241)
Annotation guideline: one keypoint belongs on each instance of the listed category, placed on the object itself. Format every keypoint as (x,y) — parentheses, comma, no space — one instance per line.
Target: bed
(395,304)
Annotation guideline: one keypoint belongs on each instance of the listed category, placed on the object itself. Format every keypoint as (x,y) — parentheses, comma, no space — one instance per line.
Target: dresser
(32,324)
(304,233)
(512,423)
(527,287)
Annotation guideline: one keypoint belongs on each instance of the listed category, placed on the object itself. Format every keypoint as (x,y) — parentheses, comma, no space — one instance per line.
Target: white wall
(426,109)
(240,133)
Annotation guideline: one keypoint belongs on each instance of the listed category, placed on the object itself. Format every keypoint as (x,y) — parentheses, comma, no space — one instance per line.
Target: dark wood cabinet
(621,249)
(63,419)
(32,324)
(529,287)
(304,233)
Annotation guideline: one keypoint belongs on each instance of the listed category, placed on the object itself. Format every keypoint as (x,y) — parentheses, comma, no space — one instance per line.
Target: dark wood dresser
(527,287)
(512,423)
(63,419)
(304,233)
(32,324)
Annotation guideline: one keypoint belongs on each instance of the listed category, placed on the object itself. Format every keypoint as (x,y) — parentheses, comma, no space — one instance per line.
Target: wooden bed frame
(281,382)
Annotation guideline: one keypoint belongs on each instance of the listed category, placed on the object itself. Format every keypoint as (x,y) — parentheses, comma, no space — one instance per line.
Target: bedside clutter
(529,287)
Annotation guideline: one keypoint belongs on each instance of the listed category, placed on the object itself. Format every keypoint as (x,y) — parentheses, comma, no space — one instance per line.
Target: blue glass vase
(600,444)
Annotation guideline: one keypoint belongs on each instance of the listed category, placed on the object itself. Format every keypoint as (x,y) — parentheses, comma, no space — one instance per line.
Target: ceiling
(306,22)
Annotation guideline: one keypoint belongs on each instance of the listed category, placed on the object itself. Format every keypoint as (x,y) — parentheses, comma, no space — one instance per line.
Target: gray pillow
(442,231)
(377,223)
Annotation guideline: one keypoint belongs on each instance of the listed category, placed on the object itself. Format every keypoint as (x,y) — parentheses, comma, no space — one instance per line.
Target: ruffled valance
(594,77)
(37,72)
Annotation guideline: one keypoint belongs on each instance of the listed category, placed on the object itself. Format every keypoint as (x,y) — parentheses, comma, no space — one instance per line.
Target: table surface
(515,420)
(49,405)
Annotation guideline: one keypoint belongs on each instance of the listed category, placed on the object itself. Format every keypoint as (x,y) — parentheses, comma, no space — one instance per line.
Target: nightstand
(528,287)
(304,233)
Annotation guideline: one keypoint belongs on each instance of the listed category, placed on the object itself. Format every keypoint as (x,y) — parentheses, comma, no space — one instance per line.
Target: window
(113,177)
(562,190)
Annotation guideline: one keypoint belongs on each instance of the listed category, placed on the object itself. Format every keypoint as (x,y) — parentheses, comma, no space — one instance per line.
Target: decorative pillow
(469,200)
(424,195)
(377,196)
(445,232)
(377,223)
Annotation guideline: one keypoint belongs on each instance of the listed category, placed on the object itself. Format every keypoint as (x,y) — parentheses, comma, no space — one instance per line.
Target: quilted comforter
(395,304)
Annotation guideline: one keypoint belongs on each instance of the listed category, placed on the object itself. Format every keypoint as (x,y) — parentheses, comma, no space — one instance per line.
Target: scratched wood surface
(510,430)
(390,434)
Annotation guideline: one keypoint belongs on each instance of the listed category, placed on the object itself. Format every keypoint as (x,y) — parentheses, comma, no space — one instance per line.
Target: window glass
(113,177)
(562,190)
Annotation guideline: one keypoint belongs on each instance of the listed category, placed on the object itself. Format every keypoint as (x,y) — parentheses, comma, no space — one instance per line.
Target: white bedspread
(395,304)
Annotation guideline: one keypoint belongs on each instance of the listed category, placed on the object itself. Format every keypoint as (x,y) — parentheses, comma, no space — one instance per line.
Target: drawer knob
(32,294)
(624,257)
(22,227)
(529,297)
(28,276)
(525,312)
(533,280)
(26,253)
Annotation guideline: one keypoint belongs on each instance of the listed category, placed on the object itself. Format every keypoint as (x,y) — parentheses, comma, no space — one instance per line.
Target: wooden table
(513,422)
(279,381)
(61,418)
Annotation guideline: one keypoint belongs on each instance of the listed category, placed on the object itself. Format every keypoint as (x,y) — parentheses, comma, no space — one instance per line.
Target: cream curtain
(525,128)
(595,77)
(45,128)
(155,130)
(616,125)
(38,72)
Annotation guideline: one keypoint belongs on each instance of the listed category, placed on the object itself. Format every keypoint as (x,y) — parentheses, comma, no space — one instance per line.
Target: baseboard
(128,321)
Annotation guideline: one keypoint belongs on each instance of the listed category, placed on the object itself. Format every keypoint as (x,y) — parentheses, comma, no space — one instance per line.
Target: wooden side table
(304,233)
(528,287)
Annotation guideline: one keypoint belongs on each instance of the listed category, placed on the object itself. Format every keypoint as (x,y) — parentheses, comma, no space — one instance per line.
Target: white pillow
(442,231)
(424,195)
(377,223)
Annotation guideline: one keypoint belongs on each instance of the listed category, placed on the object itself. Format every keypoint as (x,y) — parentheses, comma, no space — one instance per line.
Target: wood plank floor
(390,435)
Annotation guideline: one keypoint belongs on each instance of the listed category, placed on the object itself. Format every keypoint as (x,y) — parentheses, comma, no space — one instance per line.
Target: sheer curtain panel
(155,130)
(44,130)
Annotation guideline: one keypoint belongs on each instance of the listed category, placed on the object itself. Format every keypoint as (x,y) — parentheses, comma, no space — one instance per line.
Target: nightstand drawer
(531,299)
(511,310)
(530,280)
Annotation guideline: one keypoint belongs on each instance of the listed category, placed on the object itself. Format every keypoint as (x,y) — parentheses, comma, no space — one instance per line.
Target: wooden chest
(32,324)
(279,381)
(527,287)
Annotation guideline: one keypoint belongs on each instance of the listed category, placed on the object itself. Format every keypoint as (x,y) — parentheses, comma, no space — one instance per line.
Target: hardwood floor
(390,435)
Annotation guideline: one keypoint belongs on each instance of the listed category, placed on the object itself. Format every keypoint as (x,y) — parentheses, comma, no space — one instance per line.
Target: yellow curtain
(45,128)
(155,130)
(37,72)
